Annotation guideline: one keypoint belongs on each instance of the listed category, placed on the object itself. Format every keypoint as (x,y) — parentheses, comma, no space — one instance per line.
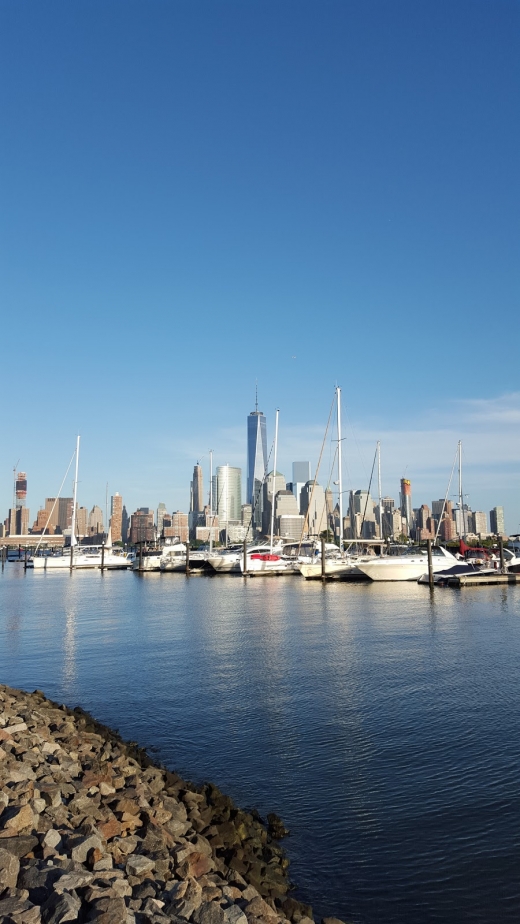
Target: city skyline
(310,193)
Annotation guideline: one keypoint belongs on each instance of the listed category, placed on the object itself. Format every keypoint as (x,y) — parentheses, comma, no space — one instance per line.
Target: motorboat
(409,566)
(339,567)
(473,560)
(284,560)
(227,561)
(173,558)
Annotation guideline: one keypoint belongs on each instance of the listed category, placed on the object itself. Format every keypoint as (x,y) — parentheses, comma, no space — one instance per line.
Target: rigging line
(55,502)
(446,495)
(306,520)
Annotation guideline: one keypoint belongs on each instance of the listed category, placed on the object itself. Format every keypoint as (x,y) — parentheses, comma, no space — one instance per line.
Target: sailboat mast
(73,518)
(379,489)
(461,496)
(211,500)
(340,481)
(273,487)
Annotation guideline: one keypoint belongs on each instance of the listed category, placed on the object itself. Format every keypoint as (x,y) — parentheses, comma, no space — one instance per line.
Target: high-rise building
(161,513)
(125,524)
(314,508)
(273,484)
(142,528)
(496,521)
(197,490)
(227,496)
(179,526)
(95,521)
(406,503)
(481,527)
(81,522)
(462,520)
(256,461)
(301,474)
(116,517)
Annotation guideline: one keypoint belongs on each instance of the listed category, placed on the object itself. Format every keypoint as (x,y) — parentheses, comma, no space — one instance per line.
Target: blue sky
(200,195)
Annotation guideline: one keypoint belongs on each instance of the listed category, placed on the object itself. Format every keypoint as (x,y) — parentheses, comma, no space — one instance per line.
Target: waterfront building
(227,496)
(18,521)
(116,517)
(256,461)
(447,529)
(141,526)
(496,521)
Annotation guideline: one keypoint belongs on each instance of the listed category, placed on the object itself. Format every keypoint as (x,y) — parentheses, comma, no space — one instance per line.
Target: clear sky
(199,196)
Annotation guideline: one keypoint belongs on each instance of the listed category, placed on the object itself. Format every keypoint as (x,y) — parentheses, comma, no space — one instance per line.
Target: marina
(378,720)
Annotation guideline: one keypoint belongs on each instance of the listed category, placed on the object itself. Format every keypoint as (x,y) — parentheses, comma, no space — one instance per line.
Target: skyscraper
(161,513)
(256,461)
(496,521)
(197,490)
(406,503)
(228,499)
(301,474)
(116,517)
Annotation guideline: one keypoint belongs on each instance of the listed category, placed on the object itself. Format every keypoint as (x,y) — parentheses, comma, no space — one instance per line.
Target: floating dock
(476,580)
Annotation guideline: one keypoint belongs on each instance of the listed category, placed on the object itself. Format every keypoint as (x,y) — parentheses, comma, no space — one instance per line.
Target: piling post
(244,569)
(25,559)
(430,564)
(102,556)
(141,555)
(188,558)
(501,550)
(323,572)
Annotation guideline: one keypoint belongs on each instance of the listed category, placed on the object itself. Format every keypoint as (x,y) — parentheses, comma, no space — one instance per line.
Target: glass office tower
(256,462)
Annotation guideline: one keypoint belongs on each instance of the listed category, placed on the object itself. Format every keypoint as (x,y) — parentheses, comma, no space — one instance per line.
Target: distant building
(406,503)
(496,521)
(116,517)
(286,514)
(227,497)
(314,508)
(290,526)
(480,527)
(142,527)
(161,513)
(81,522)
(273,484)
(197,490)
(461,517)
(125,524)
(301,474)
(95,522)
(256,462)
(179,526)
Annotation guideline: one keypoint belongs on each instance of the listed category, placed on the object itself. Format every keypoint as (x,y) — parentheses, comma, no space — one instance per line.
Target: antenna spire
(256,396)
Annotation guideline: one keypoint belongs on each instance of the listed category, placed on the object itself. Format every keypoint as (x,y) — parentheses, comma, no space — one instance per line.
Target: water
(380,724)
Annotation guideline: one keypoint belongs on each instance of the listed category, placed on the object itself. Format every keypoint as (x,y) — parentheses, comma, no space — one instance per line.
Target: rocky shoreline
(91,829)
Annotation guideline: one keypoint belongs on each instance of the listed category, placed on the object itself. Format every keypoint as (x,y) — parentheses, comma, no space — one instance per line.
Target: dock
(476,580)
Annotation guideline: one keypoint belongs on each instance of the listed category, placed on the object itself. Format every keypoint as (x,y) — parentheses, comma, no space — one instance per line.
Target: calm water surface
(381,724)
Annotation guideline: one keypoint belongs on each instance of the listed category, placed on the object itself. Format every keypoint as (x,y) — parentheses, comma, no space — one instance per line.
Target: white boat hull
(405,567)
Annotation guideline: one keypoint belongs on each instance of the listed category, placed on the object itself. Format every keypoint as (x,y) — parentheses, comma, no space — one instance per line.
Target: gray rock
(136,865)
(60,908)
(234,915)
(209,913)
(9,869)
(80,852)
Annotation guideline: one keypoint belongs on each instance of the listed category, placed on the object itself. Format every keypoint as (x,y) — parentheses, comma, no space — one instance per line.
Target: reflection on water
(380,721)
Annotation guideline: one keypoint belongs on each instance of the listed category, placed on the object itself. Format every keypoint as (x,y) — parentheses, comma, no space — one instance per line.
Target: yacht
(173,558)
(409,566)
(228,561)
(285,560)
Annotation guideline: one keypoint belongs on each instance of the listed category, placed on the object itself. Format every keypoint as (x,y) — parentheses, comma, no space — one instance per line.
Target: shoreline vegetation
(92,829)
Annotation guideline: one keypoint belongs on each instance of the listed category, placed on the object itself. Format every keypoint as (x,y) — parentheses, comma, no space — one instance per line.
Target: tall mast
(379,488)
(340,481)
(73,518)
(210,500)
(461,496)
(274,477)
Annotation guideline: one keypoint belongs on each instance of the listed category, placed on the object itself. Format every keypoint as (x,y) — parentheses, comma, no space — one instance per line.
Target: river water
(380,722)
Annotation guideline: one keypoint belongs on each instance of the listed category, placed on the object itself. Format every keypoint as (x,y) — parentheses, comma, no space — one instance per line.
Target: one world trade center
(256,461)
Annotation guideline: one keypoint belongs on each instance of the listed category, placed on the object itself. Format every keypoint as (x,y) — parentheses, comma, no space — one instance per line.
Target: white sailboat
(61,562)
